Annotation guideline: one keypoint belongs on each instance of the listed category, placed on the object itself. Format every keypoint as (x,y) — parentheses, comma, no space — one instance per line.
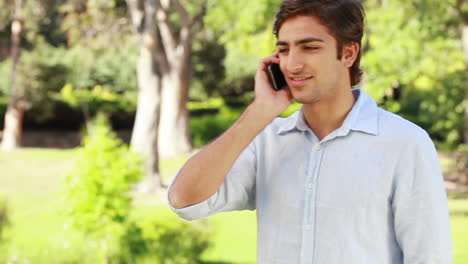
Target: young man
(341,180)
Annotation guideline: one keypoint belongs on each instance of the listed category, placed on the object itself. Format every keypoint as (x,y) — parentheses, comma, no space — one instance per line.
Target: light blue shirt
(371,192)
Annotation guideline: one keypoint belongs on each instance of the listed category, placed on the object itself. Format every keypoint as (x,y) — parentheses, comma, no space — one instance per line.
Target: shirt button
(308,227)
(317,147)
(311,185)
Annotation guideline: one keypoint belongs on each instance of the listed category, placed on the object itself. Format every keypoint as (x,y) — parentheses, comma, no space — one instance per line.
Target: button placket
(308,237)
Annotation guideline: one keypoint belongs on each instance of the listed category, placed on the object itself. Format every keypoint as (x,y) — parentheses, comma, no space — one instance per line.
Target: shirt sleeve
(420,207)
(236,193)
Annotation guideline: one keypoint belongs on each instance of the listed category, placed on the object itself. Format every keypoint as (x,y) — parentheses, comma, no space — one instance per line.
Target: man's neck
(327,115)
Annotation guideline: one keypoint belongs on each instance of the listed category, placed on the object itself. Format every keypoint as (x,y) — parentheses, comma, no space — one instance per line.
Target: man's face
(308,60)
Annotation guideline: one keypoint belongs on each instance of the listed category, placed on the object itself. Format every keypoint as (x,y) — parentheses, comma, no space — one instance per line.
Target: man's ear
(350,53)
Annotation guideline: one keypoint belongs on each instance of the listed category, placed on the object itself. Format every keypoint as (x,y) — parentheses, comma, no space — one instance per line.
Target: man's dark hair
(344,20)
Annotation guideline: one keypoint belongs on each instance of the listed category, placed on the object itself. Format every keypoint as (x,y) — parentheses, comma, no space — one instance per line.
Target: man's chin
(305,100)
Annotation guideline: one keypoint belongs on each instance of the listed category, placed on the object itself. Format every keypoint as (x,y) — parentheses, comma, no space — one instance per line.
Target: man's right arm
(205,172)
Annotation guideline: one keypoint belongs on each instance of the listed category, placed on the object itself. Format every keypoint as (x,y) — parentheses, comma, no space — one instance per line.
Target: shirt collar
(362,117)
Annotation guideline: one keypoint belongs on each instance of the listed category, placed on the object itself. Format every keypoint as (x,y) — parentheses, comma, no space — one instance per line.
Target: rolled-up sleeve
(236,193)
(422,222)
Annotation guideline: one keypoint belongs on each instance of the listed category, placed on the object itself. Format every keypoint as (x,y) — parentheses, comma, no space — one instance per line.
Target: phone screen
(276,77)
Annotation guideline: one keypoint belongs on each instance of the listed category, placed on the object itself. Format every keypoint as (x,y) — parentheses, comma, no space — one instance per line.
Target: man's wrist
(265,110)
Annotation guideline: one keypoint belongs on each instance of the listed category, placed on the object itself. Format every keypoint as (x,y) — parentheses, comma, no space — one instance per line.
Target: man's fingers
(267,61)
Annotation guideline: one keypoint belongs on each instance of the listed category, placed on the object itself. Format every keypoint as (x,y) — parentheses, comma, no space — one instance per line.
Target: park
(102,101)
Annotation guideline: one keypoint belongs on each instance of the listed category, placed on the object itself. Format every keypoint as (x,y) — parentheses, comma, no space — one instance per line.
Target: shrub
(206,128)
(97,193)
(163,238)
(461,163)
(3,218)
(4,221)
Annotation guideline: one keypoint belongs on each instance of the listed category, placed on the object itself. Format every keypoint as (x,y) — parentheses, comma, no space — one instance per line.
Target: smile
(300,79)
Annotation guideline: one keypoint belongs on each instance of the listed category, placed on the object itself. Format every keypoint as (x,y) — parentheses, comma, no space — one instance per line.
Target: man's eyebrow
(302,41)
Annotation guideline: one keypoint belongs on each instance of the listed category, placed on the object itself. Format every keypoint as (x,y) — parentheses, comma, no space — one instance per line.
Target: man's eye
(311,48)
(282,50)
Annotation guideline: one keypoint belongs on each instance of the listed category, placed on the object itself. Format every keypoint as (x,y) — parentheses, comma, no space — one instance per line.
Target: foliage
(402,49)
(221,116)
(89,68)
(443,108)
(3,105)
(208,68)
(40,19)
(97,99)
(245,29)
(4,220)
(97,198)
(40,73)
(164,238)
(413,48)
(53,54)
(5,75)
(460,170)
(95,24)
(206,128)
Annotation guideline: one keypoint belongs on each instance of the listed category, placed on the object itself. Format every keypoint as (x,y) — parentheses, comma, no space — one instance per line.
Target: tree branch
(136,13)
(463,15)
(184,15)
(198,17)
(166,31)
(188,24)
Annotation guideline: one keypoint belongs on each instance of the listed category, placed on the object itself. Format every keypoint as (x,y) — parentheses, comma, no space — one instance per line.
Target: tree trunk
(15,111)
(13,127)
(174,137)
(174,131)
(145,131)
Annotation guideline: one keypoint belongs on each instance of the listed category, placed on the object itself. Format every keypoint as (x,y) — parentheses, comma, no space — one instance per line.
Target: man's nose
(294,63)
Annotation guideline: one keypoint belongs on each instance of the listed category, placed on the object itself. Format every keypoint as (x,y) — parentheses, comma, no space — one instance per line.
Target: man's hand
(274,102)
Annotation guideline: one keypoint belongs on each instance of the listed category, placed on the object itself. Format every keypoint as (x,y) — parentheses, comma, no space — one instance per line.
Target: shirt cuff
(191,212)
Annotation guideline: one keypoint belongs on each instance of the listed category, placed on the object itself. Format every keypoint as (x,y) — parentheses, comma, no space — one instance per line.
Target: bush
(163,238)
(206,128)
(3,218)
(461,163)
(97,193)
(4,221)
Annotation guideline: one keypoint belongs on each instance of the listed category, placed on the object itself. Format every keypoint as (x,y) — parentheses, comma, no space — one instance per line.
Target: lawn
(31,180)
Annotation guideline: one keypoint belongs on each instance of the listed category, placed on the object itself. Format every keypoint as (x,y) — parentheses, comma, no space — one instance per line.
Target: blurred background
(101,101)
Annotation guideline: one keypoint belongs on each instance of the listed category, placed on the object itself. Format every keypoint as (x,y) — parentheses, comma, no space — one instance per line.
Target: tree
(462,10)
(414,64)
(165,31)
(245,29)
(28,30)
(93,28)
(15,111)
(145,130)
(177,23)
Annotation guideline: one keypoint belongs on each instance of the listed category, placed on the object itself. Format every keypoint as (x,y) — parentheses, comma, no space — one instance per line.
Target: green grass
(458,205)
(31,180)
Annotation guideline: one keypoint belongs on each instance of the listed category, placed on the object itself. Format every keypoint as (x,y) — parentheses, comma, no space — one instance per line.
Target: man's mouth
(299,80)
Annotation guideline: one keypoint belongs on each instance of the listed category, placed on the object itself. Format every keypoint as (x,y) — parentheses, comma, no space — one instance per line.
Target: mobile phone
(276,77)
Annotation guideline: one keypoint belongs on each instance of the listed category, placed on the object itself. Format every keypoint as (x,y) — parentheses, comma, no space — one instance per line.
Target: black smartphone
(276,77)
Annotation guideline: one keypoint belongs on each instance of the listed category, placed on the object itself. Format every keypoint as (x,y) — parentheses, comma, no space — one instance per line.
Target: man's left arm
(421,215)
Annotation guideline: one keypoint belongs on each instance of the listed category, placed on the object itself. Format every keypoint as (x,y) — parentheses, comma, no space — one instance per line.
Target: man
(341,180)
